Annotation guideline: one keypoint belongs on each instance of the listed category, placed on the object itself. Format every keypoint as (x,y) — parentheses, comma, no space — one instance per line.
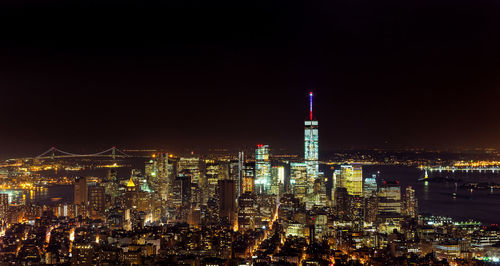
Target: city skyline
(203,133)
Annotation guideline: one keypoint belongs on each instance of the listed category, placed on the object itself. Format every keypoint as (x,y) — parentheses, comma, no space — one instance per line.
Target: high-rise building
(335,184)
(212,171)
(356,209)
(298,179)
(341,203)
(345,174)
(130,195)
(227,200)
(289,206)
(192,164)
(371,208)
(4,204)
(311,143)
(97,201)
(241,172)
(246,211)
(111,184)
(351,178)
(410,203)
(182,195)
(277,179)
(370,186)
(262,169)
(389,198)
(161,172)
(316,196)
(81,191)
(248,181)
(355,183)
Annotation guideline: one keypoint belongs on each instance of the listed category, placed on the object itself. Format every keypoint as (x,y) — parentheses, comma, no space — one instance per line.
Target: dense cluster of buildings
(241,210)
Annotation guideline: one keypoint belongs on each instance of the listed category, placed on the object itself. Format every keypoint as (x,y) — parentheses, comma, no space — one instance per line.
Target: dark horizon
(88,76)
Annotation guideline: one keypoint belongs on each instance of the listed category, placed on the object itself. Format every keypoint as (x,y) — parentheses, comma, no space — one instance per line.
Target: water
(49,195)
(436,198)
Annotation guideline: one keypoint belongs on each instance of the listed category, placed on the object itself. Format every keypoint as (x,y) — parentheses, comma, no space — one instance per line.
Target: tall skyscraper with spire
(311,144)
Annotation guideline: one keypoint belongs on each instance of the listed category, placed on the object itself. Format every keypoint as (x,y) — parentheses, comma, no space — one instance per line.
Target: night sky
(188,75)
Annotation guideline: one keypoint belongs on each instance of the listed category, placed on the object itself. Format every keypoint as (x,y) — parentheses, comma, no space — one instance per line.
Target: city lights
(251,207)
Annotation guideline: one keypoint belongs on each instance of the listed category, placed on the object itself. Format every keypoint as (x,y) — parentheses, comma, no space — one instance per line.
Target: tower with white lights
(262,169)
(311,144)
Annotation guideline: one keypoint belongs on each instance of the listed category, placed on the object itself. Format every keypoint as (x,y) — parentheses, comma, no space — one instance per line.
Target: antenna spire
(310,105)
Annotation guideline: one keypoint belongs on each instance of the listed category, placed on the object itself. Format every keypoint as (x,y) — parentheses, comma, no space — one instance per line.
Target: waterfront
(437,198)
(48,195)
(434,198)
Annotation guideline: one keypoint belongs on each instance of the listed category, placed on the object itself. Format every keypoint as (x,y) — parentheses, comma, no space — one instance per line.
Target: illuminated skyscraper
(241,172)
(351,178)
(212,170)
(4,204)
(311,144)
(389,198)
(298,179)
(246,211)
(277,179)
(410,203)
(131,195)
(248,180)
(192,164)
(370,186)
(262,169)
(161,172)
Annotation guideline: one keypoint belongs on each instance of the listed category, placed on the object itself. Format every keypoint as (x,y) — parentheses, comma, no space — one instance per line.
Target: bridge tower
(113,152)
(52,154)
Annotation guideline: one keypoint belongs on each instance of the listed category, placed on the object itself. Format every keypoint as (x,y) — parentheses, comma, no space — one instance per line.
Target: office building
(241,172)
(262,169)
(335,184)
(410,203)
(351,178)
(97,201)
(371,208)
(130,195)
(370,186)
(4,204)
(248,180)
(389,198)
(227,200)
(246,211)
(191,164)
(81,191)
(341,203)
(212,172)
(298,179)
(277,179)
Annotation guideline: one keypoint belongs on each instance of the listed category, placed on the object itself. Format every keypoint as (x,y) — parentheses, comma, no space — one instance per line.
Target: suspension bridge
(55,153)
